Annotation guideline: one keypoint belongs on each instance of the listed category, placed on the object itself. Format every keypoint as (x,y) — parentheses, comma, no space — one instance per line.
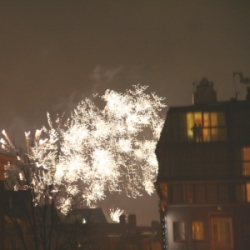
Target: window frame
(220,220)
(245,161)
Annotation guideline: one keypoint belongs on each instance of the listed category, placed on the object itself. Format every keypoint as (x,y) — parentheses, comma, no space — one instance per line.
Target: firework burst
(97,151)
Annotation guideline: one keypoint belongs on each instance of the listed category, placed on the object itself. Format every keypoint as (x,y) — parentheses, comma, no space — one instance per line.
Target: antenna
(235,89)
(243,80)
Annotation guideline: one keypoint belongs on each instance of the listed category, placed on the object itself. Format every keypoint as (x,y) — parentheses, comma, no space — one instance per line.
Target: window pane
(214,134)
(177,194)
(198,118)
(248,191)
(190,124)
(206,135)
(200,194)
(224,193)
(214,119)
(179,231)
(190,120)
(221,119)
(246,168)
(189,193)
(212,194)
(206,120)
(246,154)
(246,160)
(240,192)
(197,230)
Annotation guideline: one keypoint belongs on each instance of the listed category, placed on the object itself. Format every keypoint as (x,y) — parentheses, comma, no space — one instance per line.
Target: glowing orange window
(246,160)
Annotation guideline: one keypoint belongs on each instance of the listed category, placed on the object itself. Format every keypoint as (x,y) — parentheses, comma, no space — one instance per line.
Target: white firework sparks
(98,150)
(115,214)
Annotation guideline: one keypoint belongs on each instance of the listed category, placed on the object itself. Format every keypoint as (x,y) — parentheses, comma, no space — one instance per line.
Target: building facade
(204,174)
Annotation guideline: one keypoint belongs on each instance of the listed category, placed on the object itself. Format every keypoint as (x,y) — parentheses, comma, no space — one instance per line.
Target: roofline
(209,106)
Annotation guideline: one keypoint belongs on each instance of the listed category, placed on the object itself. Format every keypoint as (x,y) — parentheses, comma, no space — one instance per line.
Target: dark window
(212,193)
(179,231)
(223,193)
(177,192)
(240,192)
(200,194)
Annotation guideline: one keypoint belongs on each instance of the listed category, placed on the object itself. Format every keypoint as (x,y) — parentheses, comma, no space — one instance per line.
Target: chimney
(204,92)
(122,219)
(132,220)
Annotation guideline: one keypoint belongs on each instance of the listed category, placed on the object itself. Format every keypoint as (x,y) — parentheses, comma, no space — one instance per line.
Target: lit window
(179,231)
(206,127)
(194,125)
(214,119)
(222,233)
(246,160)
(248,191)
(197,230)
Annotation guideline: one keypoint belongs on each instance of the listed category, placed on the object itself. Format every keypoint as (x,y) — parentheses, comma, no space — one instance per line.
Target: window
(222,233)
(189,193)
(206,126)
(240,192)
(193,121)
(246,160)
(248,191)
(212,193)
(177,194)
(197,230)
(200,193)
(224,193)
(179,231)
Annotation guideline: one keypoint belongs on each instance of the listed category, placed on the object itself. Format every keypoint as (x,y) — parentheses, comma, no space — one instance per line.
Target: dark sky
(52,53)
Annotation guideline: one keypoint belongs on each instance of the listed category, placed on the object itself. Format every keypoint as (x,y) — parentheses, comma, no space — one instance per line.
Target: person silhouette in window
(195,130)
(199,133)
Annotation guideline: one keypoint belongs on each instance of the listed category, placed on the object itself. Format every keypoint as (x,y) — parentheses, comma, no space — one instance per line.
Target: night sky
(53,53)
